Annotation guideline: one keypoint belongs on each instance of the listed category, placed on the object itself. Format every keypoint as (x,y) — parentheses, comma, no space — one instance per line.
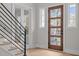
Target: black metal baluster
(25,44)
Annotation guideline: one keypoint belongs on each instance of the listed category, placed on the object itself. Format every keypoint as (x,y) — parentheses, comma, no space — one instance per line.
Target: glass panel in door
(55,12)
(55,31)
(55,22)
(55,41)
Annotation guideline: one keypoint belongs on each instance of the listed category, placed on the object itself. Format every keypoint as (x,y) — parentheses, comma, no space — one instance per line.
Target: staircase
(12,33)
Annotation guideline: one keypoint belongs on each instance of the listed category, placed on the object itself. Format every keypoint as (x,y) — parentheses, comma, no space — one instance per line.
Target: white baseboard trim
(74,52)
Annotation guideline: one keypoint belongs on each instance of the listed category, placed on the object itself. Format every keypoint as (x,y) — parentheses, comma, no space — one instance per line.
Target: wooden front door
(55,27)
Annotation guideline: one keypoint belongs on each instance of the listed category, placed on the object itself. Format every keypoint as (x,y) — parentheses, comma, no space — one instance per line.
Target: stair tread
(5,43)
(12,48)
(18,53)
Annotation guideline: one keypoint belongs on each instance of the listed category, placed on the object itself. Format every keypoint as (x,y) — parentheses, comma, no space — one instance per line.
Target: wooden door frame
(55,7)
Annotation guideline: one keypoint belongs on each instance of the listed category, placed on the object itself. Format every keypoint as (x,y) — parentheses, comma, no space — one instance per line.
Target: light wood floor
(45,52)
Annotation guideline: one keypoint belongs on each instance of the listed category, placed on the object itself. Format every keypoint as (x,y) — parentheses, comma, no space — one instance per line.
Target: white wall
(71,38)
(31,8)
(71,35)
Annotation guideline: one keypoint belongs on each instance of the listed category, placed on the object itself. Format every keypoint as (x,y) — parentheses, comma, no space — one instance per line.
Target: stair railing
(9,24)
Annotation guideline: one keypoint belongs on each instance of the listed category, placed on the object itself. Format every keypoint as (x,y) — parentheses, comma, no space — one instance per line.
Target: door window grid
(55,22)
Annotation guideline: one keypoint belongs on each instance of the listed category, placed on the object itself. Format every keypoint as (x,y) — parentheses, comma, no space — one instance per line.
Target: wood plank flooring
(45,52)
